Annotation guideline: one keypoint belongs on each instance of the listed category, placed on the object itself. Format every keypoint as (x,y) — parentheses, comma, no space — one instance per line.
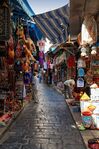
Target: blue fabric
(26,7)
(35,32)
(54,24)
(21,8)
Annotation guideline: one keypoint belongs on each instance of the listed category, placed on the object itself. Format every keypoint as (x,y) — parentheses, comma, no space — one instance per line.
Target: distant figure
(68,87)
(40,76)
(34,90)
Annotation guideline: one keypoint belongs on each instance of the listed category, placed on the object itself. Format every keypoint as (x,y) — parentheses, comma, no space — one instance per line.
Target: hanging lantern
(94,50)
(83,52)
(89,30)
(79,38)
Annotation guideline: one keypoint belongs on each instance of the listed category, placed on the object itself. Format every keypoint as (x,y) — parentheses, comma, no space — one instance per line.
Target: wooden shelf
(96,76)
(95,66)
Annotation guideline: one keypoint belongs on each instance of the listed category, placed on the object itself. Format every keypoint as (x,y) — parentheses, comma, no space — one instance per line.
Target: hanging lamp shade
(79,38)
(89,30)
(83,51)
(94,50)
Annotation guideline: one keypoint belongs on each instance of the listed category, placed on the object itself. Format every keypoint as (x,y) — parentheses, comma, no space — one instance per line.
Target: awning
(54,24)
(25,5)
(34,31)
(21,8)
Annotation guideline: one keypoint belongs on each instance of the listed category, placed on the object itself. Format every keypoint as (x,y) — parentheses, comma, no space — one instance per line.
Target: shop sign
(4,21)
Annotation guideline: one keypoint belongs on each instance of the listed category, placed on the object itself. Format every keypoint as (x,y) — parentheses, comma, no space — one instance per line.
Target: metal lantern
(83,51)
(94,50)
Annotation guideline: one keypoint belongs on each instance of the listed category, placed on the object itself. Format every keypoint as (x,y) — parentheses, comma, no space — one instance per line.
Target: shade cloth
(26,7)
(54,24)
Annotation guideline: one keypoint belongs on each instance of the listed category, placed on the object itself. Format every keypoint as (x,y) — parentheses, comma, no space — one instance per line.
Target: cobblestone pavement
(46,125)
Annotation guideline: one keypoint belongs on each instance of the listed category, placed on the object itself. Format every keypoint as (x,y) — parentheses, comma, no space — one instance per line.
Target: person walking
(34,90)
(40,76)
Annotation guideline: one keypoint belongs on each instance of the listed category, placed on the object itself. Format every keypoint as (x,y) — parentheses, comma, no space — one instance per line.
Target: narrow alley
(44,125)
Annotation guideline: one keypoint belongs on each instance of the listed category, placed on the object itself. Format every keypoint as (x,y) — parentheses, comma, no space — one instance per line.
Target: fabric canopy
(26,7)
(21,8)
(34,32)
(54,24)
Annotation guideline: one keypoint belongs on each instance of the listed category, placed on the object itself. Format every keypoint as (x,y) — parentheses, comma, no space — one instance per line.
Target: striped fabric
(54,24)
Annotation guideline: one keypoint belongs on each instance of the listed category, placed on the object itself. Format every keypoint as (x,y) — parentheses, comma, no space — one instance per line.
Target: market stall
(87,73)
(16,59)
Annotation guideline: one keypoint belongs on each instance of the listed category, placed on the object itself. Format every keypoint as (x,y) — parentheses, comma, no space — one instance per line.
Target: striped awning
(54,24)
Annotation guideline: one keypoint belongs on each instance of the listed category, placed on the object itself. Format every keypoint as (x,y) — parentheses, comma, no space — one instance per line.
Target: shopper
(68,87)
(34,90)
(40,76)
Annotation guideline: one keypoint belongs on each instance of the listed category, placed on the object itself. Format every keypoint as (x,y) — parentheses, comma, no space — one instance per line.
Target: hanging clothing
(41,58)
(71,61)
(45,65)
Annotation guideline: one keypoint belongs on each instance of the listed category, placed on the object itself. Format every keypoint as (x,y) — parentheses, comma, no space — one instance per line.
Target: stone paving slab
(46,125)
(3,129)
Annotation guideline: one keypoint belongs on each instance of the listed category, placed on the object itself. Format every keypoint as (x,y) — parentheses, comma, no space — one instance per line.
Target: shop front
(87,73)
(16,58)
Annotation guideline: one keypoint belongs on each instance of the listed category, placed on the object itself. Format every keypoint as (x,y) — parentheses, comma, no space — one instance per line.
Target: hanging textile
(71,61)
(41,58)
(89,30)
(41,45)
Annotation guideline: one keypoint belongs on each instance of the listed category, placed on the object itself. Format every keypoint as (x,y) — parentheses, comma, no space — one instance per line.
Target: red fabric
(48,63)
(94,146)
(71,61)
(10,61)
(41,54)
(18,51)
